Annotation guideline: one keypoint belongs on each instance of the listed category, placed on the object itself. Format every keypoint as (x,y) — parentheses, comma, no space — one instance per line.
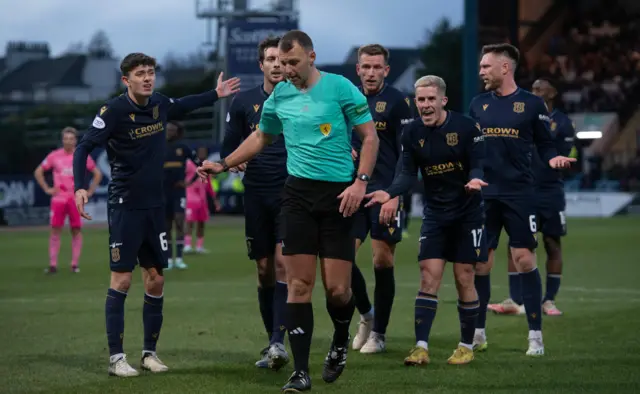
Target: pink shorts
(60,208)
(197,212)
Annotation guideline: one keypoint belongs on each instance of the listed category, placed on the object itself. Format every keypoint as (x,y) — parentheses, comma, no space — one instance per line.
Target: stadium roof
(63,71)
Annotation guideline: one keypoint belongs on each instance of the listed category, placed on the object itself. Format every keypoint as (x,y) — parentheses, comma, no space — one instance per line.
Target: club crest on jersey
(518,107)
(485,106)
(325,129)
(103,110)
(156,112)
(421,142)
(256,107)
(179,152)
(381,106)
(452,139)
(132,117)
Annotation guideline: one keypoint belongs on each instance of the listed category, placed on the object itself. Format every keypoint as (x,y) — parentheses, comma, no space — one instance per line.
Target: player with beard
(391,110)
(550,205)
(514,121)
(263,180)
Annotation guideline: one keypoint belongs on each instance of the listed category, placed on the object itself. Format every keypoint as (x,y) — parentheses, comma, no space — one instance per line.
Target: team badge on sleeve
(98,123)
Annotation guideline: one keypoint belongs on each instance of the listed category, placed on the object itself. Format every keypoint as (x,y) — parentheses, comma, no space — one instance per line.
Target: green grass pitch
(52,328)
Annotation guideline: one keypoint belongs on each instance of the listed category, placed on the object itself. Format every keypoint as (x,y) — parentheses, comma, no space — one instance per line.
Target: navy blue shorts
(261,223)
(137,236)
(366,221)
(552,221)
(175,202)
(517,216)
(462,240)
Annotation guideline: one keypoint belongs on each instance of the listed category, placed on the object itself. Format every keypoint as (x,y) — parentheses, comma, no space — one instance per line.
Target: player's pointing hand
(209,168)
(475,185)
(228,87)
(377,197)
(561,162)
(82,197)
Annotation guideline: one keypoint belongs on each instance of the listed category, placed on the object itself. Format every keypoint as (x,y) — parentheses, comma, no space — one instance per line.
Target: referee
(315,111)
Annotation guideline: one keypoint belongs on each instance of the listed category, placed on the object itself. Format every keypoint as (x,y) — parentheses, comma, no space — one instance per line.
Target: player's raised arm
(97,135)
(269,127)
(182,106)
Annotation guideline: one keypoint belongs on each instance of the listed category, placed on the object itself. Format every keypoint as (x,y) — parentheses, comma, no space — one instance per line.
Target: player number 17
(476,234)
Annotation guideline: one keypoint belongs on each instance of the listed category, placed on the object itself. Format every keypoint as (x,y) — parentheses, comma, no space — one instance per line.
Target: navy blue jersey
(448,157)
(268,170)
(175,160)
(563,132)
(512,126)
(390,110)
(135,140)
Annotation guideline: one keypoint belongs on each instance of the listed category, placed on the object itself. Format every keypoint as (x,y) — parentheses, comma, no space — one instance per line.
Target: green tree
(442,56)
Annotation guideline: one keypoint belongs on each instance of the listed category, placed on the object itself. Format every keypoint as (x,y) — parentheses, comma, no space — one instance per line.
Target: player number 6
(532,224)
(163,241)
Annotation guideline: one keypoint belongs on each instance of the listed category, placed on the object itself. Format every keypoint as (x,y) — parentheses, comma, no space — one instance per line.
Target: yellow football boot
(462,355)
(418,356)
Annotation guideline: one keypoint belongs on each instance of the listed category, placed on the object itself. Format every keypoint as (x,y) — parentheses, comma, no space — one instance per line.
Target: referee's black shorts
(310,221)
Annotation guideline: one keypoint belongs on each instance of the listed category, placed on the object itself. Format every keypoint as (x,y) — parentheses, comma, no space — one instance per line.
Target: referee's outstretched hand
(351,198)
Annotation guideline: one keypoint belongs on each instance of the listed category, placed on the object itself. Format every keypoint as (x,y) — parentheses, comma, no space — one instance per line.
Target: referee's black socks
(341,316)
(300,327)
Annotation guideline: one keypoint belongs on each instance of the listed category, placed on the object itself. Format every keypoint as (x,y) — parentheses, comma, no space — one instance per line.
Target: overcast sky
(161,26)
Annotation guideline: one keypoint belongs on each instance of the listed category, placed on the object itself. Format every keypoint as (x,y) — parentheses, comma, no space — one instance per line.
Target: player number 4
(476,234)
(398,219)
(163,241)
(533,226)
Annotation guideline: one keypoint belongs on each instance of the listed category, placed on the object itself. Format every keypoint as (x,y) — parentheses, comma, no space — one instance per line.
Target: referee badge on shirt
(381,106)
(156,112)
(325,129)
(452,139)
